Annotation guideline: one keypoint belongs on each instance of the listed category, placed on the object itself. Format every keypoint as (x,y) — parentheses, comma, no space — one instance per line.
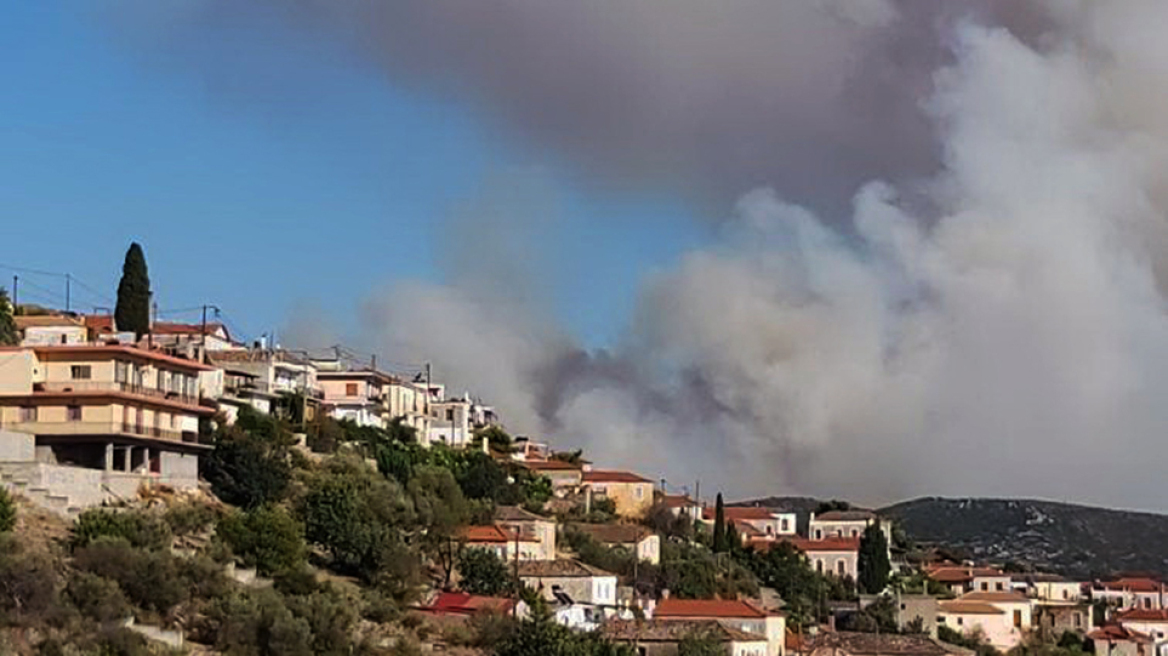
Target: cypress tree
(719,525)
(733,540)
(8,333)
(133,309)
(873,560)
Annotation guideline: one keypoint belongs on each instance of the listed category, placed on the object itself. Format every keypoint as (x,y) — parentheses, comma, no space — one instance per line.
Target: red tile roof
(611,476)
(492,535)
(461,603)
(707,608)
(957,574)
(549,465)
(1116,633)
(1144,615)
(677,501)
(101,323)
(1133,584)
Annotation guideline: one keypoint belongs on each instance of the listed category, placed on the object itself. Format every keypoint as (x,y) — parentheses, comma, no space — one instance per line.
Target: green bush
(97,598)
(190,517)
(140,529)
(203,577)
(330,618)
(7,511)
(267,538)
(483,573)
(258,623)
(149,579)
(249,464)
(30,582)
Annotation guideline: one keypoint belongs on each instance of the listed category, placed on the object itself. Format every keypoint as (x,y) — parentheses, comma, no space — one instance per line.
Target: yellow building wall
(18,369)
(631,499)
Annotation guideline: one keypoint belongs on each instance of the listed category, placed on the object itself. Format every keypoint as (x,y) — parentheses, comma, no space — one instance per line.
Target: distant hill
(1076,541)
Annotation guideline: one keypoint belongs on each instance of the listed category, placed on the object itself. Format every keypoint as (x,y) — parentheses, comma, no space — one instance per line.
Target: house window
(1000,586)
(1066,594)
(818,534)
(121,372)
(639,492)
(350,389)
(450,414)
(81,372)
(1017,619)
(73,413)
(1147,603)
(960,621)
(985,587)
(841,567)
(855,533)
(819,566)
(1078,620)
(940,619)
(28,413)
(785,526)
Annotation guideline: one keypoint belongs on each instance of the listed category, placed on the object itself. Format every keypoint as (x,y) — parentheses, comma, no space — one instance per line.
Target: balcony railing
(111,386)
(247,386)
(100,428)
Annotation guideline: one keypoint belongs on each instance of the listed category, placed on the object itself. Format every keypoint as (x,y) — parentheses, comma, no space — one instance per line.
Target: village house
(970,617)
(1015,604)
(1131,592)
(837,556)
(239,389)
(409,402)
(917,608)
(681,505)
(735,614)
(120,411)
(51,329)
(191,338)
(661,637)
(530,525)
(276,372)
(765,522)
(844,524)
(583,584)
(450,422)
(961,579)
(506,545)
(1150,622)
(566,477)
(356,396)
(847,643)
(1047,587)
(633,538)
(632,494)
(1115,640)
(462,605)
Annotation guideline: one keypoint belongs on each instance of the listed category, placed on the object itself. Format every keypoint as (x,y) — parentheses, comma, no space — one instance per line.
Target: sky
(871,249)
(265,206)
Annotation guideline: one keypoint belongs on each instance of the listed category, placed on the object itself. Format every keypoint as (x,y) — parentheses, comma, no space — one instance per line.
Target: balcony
(110,386)
(100,428)
(247,387)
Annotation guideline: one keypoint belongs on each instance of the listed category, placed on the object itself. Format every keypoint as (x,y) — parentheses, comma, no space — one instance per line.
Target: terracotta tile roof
(884,644)
(995,597)
(614,533)
(110,349)
(957,574)
(676,501)
(827,544)
(1144,615)
(100,323)
(657,630)
(1133,584)
(845,516)
(740,514)
(462,603)
(491,535)
(564,568)
(747,530)
(959,607)
(612,476)
(48,321)
(707,608)
(549,465)
(1117,633)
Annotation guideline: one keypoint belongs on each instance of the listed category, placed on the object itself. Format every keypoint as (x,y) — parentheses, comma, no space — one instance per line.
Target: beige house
(409,402)
(1150,622)
(961,579)
(507,545)
(734,614)
(662,637)
(111,408)
(764,521)
(566,477)
(970,617)
(50,330)
(633,538)
(1131,592)
(844,524)
(277,372)
(356,396)
(837,556)
(584,584)
(541,529)
(1115,640)
(239,389)
(681,504)
(632,494)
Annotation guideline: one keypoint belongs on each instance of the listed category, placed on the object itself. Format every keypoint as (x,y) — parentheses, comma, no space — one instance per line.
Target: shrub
(330,618)
(258,623)
(29,581)
(140,529)
(249,465)
(483,573)
(149,579)
(7,511)
(267,538)
(203,577)
(190,517)
(97,597)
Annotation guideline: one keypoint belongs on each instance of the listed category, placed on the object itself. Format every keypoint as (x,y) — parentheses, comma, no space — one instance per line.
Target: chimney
(665,593)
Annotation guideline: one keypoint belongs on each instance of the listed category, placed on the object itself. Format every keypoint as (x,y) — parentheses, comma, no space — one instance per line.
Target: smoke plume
(946,274)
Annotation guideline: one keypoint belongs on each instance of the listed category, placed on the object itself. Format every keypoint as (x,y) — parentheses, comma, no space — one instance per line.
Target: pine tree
(873,560)
(719,525)
(8,333)
(133,308)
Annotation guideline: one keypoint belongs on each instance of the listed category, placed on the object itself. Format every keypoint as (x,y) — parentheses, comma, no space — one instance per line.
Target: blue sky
(319,189)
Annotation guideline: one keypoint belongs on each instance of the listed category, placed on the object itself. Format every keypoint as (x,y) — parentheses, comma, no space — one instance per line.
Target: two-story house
(114,408)
(961,579)
(356,396)
(633,538)
(277,372)
(844,524)
(1131,592)
(767,522)
(450,422)
(735,614)
(631,493)
(542,530)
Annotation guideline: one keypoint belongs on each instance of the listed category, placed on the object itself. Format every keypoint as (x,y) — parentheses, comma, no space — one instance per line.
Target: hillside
(1076,541)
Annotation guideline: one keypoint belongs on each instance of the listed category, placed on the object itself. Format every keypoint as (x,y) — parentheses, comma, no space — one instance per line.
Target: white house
(734,614)
(844,524)
(582,583)
(968,617)
(767,522)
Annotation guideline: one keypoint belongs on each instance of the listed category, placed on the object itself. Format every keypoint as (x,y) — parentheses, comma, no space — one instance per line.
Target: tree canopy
(873,560)
(132,312)
(8,332)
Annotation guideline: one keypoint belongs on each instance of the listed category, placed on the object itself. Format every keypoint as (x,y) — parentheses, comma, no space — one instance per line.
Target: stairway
(19,483)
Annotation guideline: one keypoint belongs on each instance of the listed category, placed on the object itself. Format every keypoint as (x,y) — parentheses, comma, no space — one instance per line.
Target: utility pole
(68,285)
(15,294)
(203,331)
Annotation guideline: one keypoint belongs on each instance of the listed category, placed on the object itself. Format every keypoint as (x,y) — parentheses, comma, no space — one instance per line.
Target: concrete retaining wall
(17,447)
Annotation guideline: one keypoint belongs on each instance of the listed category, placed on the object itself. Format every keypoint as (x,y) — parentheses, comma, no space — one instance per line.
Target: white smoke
(1010,340)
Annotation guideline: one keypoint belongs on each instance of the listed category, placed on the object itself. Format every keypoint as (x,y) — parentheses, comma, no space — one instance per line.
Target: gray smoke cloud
(943,272)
